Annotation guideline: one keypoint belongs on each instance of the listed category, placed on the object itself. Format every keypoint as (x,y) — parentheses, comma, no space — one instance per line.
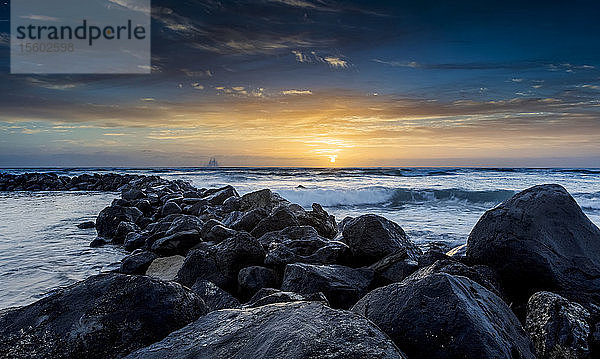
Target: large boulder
(264,199)
(253,278)
(200,264)
(371,237)
(240,251)
(214,297)
(281,218)
(302,244)
(319,219)
(342,286)
(165,268)
(109,218)
(176,243)
(300,330)
(442,316)
(540,239)
(220,195)
(559,328)
(271,296)
(137,263)
(105,316)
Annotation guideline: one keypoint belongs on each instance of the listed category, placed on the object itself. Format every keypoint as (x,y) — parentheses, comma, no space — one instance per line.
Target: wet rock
(170,208)
(540,239)
(109,218)
(319,219)
(371,237)
(143,205)
(219,233)
(248,221)
(394,268)
(231,204)
(86,225)
(132,194)
(221,194)
(442,316)
(184,223)
(134,241)
(264,199)
(165,268)
(137,263)
(253,278)
(98,242)
(177,243)
(342,286)
(105,316)
(302,244)
(281,218)
(123,229)
(267,296)
(214,297)
(558,328)
(299,330)
(200,264)
(237,252)
(431,256)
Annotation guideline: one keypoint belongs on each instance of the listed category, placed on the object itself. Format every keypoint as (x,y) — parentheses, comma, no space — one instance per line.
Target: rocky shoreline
(213,274)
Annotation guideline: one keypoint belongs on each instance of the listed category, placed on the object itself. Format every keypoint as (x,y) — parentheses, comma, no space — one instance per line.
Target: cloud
(296,92)
(336,62)
(40,18)
(313,57)
(197,86)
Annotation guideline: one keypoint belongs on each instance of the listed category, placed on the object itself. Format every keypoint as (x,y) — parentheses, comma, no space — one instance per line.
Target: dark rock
(253,278)
(481,274)
(304,245)
(170,208)
(319,219)
(143,205)
(200,264)
(109,218)
(219,233)
(123,229)
(184,223)
(442,316)
(394,268)
(137,263)
(86,225)
(214,297)
(247,221)
(134,241)
(221,195)
(558,328)
(165,268)
(105,316)
(281,218)
(237,252)
(298,330)
(371,237)
(231,204)
(132,194)
(540,239)
(177,243)
(264,199)
(430,257)
(267,296)
(342,286)
(98,242)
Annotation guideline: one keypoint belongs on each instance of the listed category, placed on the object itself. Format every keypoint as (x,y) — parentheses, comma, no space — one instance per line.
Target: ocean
(42,249)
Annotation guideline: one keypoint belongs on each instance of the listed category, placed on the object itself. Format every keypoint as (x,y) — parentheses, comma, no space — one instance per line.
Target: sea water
(41,248)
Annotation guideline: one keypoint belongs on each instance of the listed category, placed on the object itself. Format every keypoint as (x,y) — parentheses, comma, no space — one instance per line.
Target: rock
(165,268)
(98,242)
(253,278)
(86,225)
(281,218)
(231,204)
(219,233)
(170,208)
(177,243)
(143,205)
(371,237)
(248,221)
(237,252)
(200,264)
(132,194)
(319,219)
(123,229)
(105,316)
(481,274)
(267,296)
(558,328)
(302,244)
(342,286)
(442,316)
(299,330)
(264,199)
(430,257)
(540,239)
(458,252)
(221,195)
(134,241)
(110,217)
(394,268)
(184,223)
(214,297)
(137,263)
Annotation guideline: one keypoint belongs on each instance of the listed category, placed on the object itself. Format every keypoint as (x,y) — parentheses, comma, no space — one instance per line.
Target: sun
(332,158)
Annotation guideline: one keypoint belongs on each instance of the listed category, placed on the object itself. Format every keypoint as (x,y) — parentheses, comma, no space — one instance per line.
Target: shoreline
(242,253)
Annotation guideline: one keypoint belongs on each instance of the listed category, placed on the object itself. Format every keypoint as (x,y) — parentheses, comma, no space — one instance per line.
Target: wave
(588,201)
(390,197)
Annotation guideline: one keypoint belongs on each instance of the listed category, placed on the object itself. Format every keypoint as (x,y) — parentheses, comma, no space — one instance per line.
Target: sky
(317,83)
